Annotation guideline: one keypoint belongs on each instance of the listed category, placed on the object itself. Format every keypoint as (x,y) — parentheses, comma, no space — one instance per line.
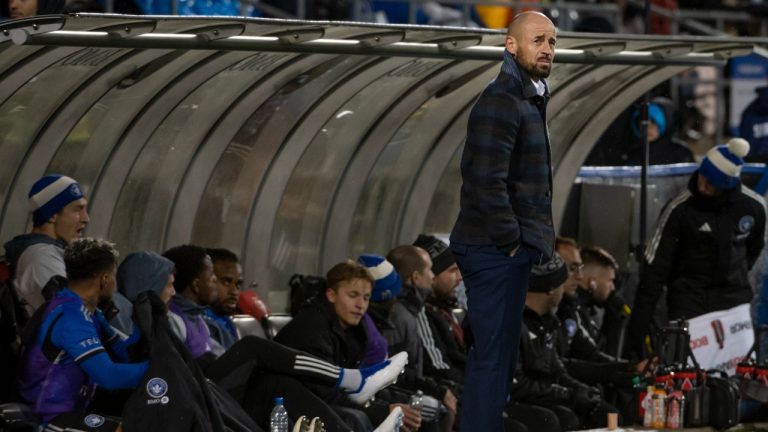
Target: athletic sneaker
(378,377)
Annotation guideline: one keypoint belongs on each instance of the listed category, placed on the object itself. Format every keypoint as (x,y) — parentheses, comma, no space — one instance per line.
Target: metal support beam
(352,47)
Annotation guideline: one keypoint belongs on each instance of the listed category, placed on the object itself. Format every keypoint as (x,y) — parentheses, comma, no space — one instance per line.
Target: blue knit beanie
(387,283)
(50,194)
(655,114)
(722,164)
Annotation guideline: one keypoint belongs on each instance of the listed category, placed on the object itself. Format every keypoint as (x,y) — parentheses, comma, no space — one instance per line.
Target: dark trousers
(255,371)
(266,356)
(555,418)
(299,401)
(496,287)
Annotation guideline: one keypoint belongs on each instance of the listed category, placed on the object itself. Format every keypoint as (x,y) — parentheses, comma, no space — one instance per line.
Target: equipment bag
(723,400)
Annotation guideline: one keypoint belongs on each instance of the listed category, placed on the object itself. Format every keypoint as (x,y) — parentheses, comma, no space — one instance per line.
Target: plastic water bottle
(278,420)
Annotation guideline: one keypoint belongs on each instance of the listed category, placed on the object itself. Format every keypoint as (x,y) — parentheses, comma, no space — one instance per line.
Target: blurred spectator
(190,7)
(77,6)
(595,24)
(499,17)
(330,10)
(754,127)
(429,13)
(14,9)
(664,148)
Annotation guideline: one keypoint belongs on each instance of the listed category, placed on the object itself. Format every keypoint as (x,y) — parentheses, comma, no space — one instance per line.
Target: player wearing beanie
(706,241)
(59,217)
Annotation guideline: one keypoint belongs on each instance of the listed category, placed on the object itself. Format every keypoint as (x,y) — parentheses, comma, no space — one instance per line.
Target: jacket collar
(412,298)
(548,322)
(187,306)
(326,309)
(380,315)
(519,79)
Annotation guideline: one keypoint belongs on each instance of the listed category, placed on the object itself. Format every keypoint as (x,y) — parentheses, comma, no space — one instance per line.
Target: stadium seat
(17,417)
(275,322)
(247,325)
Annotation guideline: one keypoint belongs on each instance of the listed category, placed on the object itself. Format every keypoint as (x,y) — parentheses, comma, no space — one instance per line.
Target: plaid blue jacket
(506,194)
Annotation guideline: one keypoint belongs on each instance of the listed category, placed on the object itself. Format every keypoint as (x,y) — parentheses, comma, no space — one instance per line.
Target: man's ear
(510,43)
(411,280)
(195,286)
(330,294)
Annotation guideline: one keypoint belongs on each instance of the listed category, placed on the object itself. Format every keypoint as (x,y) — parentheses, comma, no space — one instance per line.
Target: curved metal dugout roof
(296,144)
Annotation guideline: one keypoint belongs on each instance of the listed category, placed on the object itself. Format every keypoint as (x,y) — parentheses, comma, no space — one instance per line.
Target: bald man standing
(505,223)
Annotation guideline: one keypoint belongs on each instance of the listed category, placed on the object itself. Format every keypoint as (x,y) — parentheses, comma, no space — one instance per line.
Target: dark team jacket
(410,380)
(506,192)
(579,350)
(316,330)
(577,340)
(173,394)
(541,377)
(702,251)
(754,126)
(441,320)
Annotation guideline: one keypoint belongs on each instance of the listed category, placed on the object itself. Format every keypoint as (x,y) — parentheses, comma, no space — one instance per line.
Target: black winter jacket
(702,251)
(577,332)
(440,314)
(316,330)
(173,395)
(541,377)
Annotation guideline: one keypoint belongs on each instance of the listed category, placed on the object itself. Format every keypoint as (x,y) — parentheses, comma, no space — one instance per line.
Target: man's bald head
(520,20)
(531,39)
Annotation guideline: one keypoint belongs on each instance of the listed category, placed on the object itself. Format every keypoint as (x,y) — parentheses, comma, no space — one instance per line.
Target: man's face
(350,301)
(555,296)
(572,258)
(446,282)
(229,279)
(706,188)
(601,280)
(206,284)
(533,45)
(424,278)
(168,290)
(22,8)
(653,131)
(70,222)
(108,282)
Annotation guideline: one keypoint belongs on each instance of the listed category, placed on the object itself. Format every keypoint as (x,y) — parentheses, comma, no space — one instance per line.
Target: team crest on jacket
(156,389)
(746,223)
(93,420)
(571,326)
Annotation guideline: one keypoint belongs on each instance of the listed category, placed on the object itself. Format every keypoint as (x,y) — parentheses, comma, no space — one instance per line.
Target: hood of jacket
(187,306)
(17,246)
(143,271)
